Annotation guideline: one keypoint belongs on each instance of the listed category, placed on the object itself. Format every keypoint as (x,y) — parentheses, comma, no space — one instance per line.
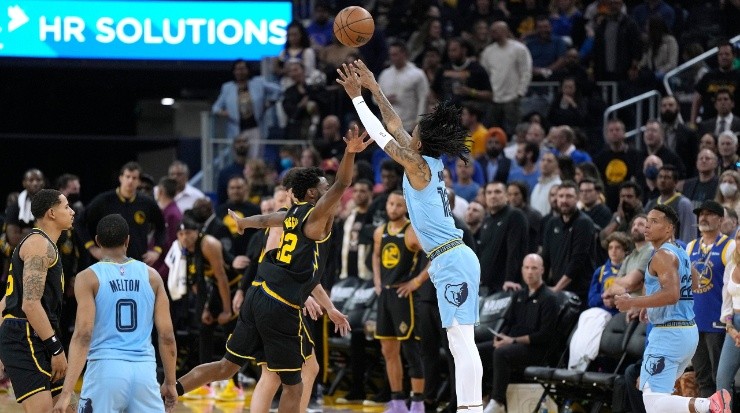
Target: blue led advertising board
(143,30)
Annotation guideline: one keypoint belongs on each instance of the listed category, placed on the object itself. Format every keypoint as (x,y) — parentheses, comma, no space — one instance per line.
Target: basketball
(353,26)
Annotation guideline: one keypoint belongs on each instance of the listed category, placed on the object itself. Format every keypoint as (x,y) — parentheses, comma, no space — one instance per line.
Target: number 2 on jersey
(288,242)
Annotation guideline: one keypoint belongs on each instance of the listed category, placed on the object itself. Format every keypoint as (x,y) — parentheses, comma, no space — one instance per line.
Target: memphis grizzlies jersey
(124,312)
(429,209)
(683,310)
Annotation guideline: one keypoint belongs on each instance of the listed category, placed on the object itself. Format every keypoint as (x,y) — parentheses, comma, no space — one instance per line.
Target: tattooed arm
(400,148)
(37,254)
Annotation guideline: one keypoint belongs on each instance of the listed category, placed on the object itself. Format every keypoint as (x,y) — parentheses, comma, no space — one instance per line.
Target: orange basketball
(353,26)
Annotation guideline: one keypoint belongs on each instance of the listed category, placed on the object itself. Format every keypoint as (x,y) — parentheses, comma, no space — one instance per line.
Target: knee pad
(412,354)
(290,378)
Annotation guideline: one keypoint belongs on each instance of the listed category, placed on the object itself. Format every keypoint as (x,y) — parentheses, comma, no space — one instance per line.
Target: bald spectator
(654,138)
(406,85)
(331,144)
(562,138)
(617,163)
(704,186)
(549,176)
(509,67)
(186,193)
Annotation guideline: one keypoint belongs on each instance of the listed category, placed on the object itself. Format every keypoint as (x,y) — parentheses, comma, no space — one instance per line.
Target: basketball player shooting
(454,268)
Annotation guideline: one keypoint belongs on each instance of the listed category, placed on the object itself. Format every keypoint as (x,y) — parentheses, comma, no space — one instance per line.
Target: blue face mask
(286,163)
(651,172)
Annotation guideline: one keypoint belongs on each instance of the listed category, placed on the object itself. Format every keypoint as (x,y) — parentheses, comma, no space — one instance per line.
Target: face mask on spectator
(651,172)
(728,189)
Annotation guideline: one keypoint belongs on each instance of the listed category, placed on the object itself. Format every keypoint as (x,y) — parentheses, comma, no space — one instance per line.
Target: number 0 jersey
(429,209)
(51,300)
(294,268)
(124,312)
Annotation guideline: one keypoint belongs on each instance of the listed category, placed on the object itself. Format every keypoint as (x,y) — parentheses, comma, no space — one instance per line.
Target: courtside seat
(493,309)
(634,349)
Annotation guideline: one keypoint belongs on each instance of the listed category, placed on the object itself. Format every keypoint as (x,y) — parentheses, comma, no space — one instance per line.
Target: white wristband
(372,125)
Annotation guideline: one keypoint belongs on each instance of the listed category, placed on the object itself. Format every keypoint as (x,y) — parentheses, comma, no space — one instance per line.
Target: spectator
(709,254)
(729,225)
(630,205)
(509,67)
(587,170)
(562,138)
(474,216)
(331,144)
(728,195)
(141,212)
(617,163)
(502,241)
(567,21)
(708,141)
(320,30)
(297,49)
(654,139)
(569,107)
(517,196)
(301,103)
(18,217)
(573,68)
(678,137)
(657,9)
(591,204)
(549,176)
(568,244)
(650,169)
(462,78)
(429,35)
(470,116)
(634,265)
(247,104)
(240,148)
(536,135)
(464,184)
(527,333)
(617,47)
(727,148)
(310,157)
(702,187)
(725,120)
(186,193)
(526,165)
(520,136)
(355,252)
(480,37)
(666,184)
(495,166)
(722,78)
(728,358)
(408,85)
(584,345)
(546,50)
(167,189)
(661,54)
(237,202)
(146,185)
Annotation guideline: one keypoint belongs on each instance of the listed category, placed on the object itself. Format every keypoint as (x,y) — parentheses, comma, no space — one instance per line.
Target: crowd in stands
(545,179)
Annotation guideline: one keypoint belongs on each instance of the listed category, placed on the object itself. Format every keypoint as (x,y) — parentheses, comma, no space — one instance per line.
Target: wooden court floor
(8,405)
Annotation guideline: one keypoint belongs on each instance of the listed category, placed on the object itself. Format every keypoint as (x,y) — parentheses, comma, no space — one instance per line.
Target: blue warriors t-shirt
(710,264)
(429,209)
(683,310)
(124,312)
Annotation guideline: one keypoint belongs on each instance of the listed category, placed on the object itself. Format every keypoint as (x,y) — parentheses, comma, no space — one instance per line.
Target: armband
(372,125)
(54,345)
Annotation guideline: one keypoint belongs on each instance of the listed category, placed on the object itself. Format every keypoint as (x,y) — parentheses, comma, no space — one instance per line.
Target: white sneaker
(494,407)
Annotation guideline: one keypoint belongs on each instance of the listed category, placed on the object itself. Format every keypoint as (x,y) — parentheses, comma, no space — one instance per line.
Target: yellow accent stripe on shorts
(29,394)
(234,353)
(274,295)
(33,353)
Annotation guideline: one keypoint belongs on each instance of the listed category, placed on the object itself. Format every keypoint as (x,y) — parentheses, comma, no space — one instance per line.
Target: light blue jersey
(429,209)
(124,308)
(454,268)
(664,361)
(683,310)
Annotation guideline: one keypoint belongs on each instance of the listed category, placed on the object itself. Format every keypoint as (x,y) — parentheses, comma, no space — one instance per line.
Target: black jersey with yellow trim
(51,300)
(294,268)
(396,259)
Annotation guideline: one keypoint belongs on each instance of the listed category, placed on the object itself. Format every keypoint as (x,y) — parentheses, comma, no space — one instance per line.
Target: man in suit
(494,164)
(678,137)
(725,120)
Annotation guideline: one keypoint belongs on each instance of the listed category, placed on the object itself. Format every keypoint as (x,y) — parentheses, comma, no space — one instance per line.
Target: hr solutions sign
(156,30)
